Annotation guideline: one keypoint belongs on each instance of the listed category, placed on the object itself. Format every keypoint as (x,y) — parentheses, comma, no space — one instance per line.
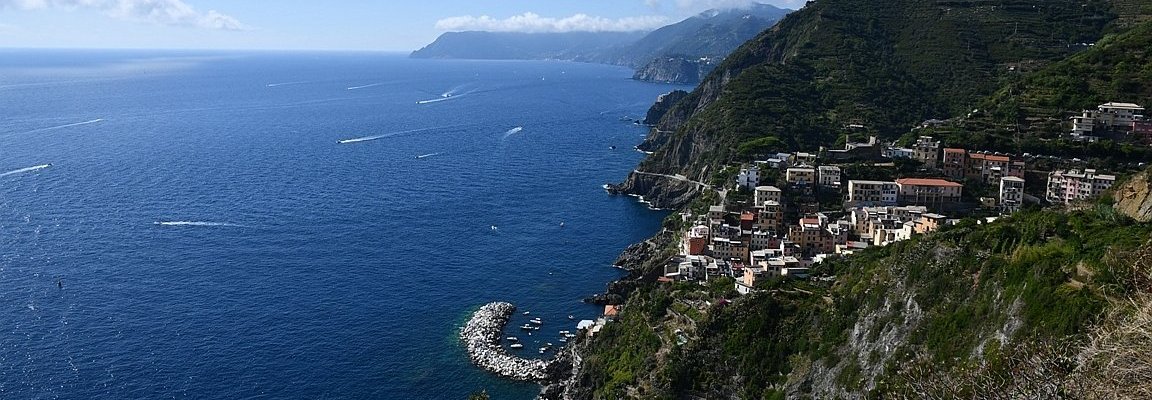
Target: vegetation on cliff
(856,66)
(892,321)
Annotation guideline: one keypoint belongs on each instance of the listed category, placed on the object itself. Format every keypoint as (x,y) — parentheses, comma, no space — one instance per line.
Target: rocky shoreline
(481,335)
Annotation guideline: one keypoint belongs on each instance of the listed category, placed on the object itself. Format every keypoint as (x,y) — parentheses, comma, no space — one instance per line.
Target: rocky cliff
(676,70)
(1134,198)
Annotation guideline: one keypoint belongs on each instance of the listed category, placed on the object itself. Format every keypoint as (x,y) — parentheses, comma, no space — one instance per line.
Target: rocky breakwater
(481,336)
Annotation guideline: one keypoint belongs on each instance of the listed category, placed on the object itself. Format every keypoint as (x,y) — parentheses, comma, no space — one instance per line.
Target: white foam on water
(365,86)
(23,170)
(428,155)
(197,223)
(390,134)
(437,100)
(52,128)
(513,131)
(286,83)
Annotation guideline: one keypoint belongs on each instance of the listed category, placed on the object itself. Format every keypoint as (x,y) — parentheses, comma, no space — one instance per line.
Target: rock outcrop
(677,70)
(1134,198)
(662,105)
(657,191)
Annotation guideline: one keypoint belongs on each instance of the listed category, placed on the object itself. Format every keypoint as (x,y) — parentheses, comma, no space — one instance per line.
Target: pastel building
(765,194)
(1074,185)
(801,176)
(929,192)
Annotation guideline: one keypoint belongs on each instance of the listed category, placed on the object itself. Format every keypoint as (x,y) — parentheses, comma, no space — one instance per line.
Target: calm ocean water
(200,232)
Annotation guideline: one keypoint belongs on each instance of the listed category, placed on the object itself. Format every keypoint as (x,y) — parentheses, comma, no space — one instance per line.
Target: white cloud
(163,12)
(533,23)
(700,5)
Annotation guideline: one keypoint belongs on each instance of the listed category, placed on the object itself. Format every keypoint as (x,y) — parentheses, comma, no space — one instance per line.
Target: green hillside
(967,303)
(884,65)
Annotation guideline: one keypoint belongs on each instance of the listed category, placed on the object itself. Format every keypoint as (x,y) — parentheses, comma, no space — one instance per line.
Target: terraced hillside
(884,65)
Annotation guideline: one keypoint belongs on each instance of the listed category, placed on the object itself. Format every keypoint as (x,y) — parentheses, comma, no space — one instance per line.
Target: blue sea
(238,225)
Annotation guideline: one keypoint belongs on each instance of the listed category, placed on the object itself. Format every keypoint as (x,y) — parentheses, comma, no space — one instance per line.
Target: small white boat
(570,335)
(525,313)
(571,318)
(549,344)
(527,327)
(565,332)
(536,321)
(563,340)
(513,339)
(516,346)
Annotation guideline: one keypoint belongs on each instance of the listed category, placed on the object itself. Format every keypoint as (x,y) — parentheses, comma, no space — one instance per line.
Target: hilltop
(696,43)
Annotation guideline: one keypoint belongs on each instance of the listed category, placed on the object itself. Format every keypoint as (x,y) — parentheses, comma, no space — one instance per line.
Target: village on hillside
(779,216)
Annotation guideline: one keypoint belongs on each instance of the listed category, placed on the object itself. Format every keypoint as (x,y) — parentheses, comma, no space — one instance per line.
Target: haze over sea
(188,224)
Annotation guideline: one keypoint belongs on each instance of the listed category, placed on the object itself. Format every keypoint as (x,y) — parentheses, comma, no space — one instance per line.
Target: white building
(872,192)
(898,152)
(749,178)
(1110,116)
(765,194)
(1011,194)
(1119,115)
(1073,185)
(829,176)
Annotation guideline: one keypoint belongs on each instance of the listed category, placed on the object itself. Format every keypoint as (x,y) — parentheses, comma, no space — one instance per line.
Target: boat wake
(445,97)
(286,83)
(428,155)
(23,170)
(513,131)
(391,134)
(197,223)
(52,128)
(365,86)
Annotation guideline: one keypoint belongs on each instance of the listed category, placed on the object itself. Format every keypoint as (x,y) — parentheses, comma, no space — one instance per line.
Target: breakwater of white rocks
(481,335)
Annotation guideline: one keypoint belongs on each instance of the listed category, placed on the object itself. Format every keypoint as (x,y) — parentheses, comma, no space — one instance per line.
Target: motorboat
(516,346)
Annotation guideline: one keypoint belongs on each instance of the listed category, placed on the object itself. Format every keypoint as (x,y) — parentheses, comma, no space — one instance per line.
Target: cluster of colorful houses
(775,235)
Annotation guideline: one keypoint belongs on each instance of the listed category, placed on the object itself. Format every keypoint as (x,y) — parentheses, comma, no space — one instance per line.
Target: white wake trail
(23,170)
(390,134)
(286,83)
(52,128)
(428,155)
(365,86)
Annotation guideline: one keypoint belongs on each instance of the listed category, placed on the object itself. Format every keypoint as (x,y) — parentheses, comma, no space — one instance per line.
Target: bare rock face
(1134,198)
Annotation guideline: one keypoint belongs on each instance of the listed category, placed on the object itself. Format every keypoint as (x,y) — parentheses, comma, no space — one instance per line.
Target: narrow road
(677,177)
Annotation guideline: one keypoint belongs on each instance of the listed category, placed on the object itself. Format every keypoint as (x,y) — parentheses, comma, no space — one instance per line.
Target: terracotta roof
(611,311)
(947,150)
(747,216)
(998,158)
(927,182)
(976,156)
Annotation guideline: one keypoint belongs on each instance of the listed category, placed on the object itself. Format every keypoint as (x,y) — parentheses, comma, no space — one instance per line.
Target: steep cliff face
(662,105)
(676,70)
(1134,198)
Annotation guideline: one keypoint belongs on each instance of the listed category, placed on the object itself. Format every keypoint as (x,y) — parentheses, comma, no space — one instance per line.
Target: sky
(393,25)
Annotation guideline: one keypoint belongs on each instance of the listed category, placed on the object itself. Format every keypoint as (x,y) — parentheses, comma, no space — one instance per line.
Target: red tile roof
(927,182)
(961,151)
(998,158)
